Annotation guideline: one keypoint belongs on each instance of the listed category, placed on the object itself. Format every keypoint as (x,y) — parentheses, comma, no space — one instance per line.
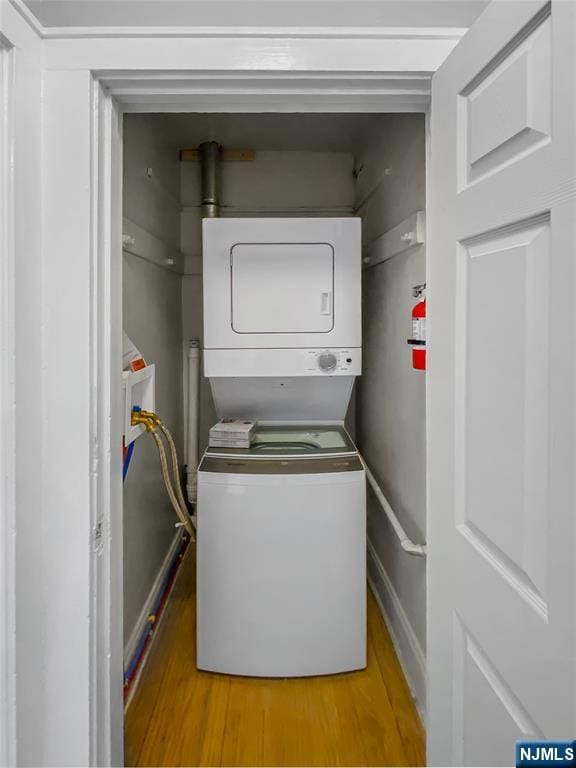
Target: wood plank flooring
(182,717)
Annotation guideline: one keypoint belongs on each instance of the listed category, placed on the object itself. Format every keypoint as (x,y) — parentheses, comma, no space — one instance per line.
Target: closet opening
(274,319)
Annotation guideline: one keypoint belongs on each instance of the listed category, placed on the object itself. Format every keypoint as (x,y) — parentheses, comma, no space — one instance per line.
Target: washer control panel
(332,360)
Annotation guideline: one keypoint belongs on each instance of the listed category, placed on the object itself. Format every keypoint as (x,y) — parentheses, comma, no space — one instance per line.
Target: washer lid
(298,440)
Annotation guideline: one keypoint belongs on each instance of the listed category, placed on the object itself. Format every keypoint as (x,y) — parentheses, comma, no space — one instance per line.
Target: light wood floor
(182,717)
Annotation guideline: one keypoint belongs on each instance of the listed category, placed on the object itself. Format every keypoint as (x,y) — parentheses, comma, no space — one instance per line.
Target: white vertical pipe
(192,421)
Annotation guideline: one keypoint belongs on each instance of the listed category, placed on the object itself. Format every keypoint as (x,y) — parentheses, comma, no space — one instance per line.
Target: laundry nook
(274,364)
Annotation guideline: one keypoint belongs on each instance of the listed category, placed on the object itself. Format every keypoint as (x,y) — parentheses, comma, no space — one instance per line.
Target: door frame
(7,399)
(20,81)
(93,101)
(322,99)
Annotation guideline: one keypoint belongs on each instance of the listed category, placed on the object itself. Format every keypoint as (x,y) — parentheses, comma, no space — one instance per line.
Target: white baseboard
(132,643)
(405,642)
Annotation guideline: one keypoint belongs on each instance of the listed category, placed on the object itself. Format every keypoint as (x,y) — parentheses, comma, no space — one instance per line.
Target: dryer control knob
(327,361)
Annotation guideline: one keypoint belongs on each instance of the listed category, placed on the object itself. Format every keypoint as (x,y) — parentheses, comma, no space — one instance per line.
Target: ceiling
(257,13)
(342,132)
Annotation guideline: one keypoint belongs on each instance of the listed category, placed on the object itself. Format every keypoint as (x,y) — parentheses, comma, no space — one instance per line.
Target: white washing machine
(282,555)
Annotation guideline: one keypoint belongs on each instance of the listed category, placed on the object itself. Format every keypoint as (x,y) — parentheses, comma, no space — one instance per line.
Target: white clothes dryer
(282,297)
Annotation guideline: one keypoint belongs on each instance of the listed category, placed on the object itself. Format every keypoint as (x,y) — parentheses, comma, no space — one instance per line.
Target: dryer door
(281,283)
(282,287)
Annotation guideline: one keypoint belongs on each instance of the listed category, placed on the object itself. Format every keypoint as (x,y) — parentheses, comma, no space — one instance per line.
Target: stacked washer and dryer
(282,525)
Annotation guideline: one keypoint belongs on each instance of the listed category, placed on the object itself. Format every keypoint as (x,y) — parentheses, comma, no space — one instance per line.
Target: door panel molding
(470,661)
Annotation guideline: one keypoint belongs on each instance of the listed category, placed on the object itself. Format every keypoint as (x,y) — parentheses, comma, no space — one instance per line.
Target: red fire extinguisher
(418,340)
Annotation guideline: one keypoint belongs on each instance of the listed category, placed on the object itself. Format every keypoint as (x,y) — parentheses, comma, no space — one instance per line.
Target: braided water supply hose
(175,471)
(151,421)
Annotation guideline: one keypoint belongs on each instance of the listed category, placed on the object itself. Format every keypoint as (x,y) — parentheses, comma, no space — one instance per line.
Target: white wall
(23,600)
(391,395)
(153,320)
(276,183)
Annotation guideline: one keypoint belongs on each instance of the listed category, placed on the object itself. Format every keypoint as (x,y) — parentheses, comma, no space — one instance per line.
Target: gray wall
(391,395)
(153,320)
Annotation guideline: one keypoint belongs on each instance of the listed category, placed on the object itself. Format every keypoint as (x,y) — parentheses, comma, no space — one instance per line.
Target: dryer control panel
(331,360)
(308,361)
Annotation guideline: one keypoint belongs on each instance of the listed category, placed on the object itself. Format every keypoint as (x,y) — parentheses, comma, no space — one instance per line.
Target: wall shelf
(404,237)
(139,242)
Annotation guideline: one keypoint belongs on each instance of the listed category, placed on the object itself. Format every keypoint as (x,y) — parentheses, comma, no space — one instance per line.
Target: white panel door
(282,287)
(501,389)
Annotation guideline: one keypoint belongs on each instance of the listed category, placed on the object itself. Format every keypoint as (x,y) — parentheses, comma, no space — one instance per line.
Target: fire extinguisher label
(419,328)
